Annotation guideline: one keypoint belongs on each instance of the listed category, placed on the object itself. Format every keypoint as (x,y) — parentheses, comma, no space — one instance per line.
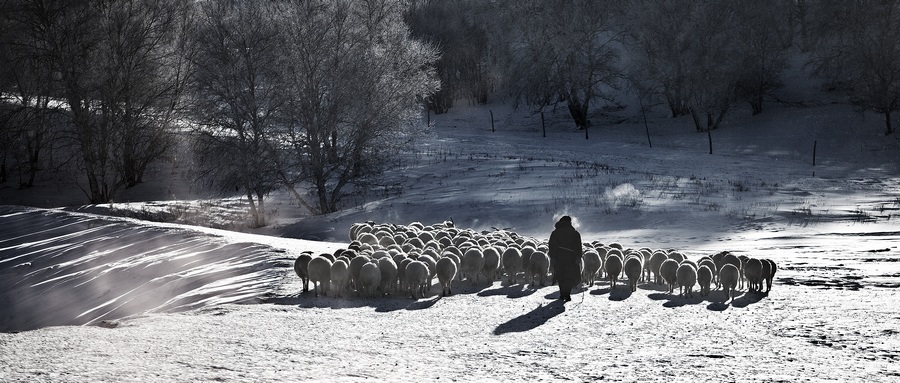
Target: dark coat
(565,251)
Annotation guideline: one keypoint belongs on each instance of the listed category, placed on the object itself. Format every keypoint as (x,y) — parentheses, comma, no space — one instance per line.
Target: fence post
(492,120)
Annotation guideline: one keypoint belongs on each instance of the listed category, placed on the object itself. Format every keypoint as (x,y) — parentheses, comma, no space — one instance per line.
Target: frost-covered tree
(110,64)
(238,92)
(457,28)
(857,48)
(354,78)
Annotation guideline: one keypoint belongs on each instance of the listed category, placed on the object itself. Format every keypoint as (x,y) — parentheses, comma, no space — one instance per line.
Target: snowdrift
(64,268)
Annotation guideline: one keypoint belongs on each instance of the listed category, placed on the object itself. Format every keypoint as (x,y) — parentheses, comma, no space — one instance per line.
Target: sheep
(356,265)
(388,269)
(704,279)
(728,276)
(538,265)
(753,271)
(368,238)
(401,272)
(686,277)
(656,260)
(709,263)
(771,275)
(369,279)
(613,267)
(669,270)
(491,263)
(320,274)
(340,277)
(678,257)
(430,262)
(417,279)
(634,267)
(527,251)
(472,263)
(446,271)
(301,267)
(512,263)
(645,263)
(592,264)
(730,259)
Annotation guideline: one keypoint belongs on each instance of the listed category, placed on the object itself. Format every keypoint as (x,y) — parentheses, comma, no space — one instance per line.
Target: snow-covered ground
(172,302)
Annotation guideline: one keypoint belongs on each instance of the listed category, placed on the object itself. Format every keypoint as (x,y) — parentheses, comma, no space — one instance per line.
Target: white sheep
(340,277)
(753,271)
(711,265)
(634,267)
(388,269)
(613,266)
(446,271)
(417,279)
(491,263)
(369,279)
(320,274)
(356,265)
(472,263)
(686,278)
(770,275)
(668,271)
(729,259)
(430,262)
(704,278)
(512,263)
(301,267)
(656,260)
(592,265)
(728,277)
(538,266)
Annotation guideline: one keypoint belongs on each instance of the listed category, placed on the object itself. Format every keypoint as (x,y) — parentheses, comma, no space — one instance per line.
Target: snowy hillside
(172,302)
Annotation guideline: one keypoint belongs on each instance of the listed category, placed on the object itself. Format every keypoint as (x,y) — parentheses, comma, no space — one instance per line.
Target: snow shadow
(532,319)
(511,291)
(380,304)
(618,294)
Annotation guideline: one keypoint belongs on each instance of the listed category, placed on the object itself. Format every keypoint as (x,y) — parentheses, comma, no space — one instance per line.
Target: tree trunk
(756,103)
(579,112)
(887,123)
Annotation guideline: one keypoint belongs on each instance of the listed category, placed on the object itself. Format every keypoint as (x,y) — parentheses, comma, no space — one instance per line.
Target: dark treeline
(700,58)
(318,96)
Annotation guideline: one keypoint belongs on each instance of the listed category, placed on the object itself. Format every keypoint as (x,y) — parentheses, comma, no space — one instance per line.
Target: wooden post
(543,127)
(644,113)
(815,143)
(492,120)
(709,135)
(587,126)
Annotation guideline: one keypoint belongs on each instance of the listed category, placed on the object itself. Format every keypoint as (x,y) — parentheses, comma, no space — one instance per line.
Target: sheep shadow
(532,319)
(511,291)
(741,301)
(618,294)
(422,304)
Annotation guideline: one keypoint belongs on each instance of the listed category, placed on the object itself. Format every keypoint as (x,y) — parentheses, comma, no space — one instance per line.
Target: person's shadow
(532,319)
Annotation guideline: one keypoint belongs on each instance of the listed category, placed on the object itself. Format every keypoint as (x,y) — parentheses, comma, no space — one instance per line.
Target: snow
(91,297)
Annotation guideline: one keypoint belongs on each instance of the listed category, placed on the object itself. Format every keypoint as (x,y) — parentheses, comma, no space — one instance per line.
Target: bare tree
(110,63)
(762,40)
(355,78)
(457,28)
(238,92)
(563,51)
(704,56)
(858,49)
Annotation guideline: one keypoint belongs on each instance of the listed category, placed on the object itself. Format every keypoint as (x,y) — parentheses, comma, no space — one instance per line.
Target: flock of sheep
(387,258)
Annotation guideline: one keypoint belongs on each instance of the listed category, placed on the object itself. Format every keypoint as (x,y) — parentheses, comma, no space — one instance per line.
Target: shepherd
(565,252)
